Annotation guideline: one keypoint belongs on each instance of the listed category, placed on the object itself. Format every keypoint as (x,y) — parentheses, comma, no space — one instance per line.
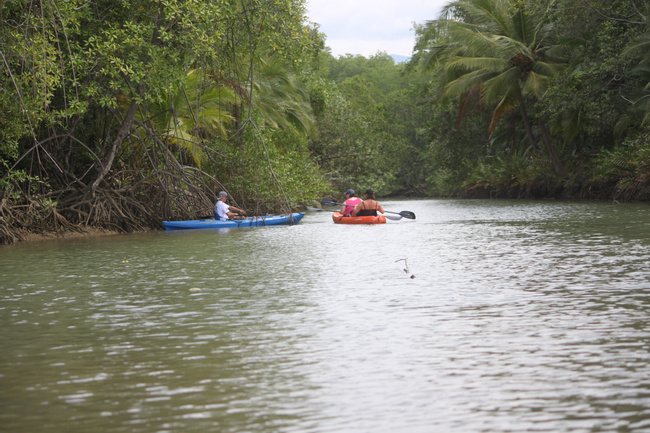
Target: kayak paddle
(331,202)
(316,209)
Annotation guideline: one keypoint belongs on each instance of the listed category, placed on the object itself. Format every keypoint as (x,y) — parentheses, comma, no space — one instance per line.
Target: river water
(478,316)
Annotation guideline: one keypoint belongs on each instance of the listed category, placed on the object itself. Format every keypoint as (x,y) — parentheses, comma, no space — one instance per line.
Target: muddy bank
(84,232)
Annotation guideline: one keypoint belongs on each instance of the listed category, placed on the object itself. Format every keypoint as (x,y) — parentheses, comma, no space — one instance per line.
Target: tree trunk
(524,116)
(513,135)
(107,162)
(557,164)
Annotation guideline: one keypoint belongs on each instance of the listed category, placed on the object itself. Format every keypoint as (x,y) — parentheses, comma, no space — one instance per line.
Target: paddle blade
(327,201)
(407,214)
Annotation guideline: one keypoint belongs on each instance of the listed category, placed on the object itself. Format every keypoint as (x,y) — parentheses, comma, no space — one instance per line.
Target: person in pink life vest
(351,200)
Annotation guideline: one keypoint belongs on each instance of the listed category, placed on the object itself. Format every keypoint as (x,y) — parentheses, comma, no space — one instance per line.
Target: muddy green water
(479,316)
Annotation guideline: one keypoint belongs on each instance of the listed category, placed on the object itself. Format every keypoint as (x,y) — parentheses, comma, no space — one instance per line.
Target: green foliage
(452,152)
(628,164)
(18,183)
(352,148)
(378,74)
(505,172)
(367,122)
(197,110)
(263,174)
(567,62)
(144,94)
(359,91)
(585,102)
(192,71)
(281,100)
(502,53)
(501,48)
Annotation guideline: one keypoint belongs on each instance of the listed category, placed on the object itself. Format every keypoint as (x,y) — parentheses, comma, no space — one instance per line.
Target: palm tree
(640,109)
(504,50)
(282,100)
(199,109)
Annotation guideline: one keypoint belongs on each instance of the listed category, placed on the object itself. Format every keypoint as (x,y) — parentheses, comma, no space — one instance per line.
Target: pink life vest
(350,204)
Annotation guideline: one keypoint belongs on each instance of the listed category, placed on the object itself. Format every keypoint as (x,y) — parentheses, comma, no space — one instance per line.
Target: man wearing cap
(350,202)
(223,212)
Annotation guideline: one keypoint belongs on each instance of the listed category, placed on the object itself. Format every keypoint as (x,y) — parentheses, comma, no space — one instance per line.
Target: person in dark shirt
(369,206)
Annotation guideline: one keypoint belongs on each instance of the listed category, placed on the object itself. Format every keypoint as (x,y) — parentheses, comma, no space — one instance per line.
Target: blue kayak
(258,221)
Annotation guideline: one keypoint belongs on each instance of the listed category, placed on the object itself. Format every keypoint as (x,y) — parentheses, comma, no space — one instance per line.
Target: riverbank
(83,232)
(547,189)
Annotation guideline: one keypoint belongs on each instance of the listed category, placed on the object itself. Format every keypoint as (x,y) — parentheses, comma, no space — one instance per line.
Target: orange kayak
(340,219)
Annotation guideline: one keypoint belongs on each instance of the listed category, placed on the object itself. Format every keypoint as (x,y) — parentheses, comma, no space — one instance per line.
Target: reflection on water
(520,316)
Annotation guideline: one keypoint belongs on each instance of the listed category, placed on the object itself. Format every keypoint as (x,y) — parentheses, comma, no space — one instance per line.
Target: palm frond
(504,106)
(547,68)
(281,100)
(466,82)
(535,84)
(640,46)
(505,83)
(474,40)
(488,64)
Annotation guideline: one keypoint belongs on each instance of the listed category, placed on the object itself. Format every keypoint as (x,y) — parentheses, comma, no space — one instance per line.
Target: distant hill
(399,59)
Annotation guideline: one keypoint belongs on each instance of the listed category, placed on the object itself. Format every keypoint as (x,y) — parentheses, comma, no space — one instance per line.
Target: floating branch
(406,267)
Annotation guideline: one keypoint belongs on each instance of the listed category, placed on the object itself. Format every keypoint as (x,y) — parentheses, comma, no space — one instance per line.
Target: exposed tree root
(31,216)
(140,207)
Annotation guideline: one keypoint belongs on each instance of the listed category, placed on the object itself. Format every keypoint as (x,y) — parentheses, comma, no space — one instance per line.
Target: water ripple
(478,316)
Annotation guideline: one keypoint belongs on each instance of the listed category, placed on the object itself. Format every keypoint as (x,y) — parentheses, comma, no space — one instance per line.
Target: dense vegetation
(119,114)
(554,94)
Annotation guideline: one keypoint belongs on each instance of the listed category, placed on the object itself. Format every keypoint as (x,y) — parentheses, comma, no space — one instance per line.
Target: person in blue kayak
(351,200)
(224,212)
(369,206)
